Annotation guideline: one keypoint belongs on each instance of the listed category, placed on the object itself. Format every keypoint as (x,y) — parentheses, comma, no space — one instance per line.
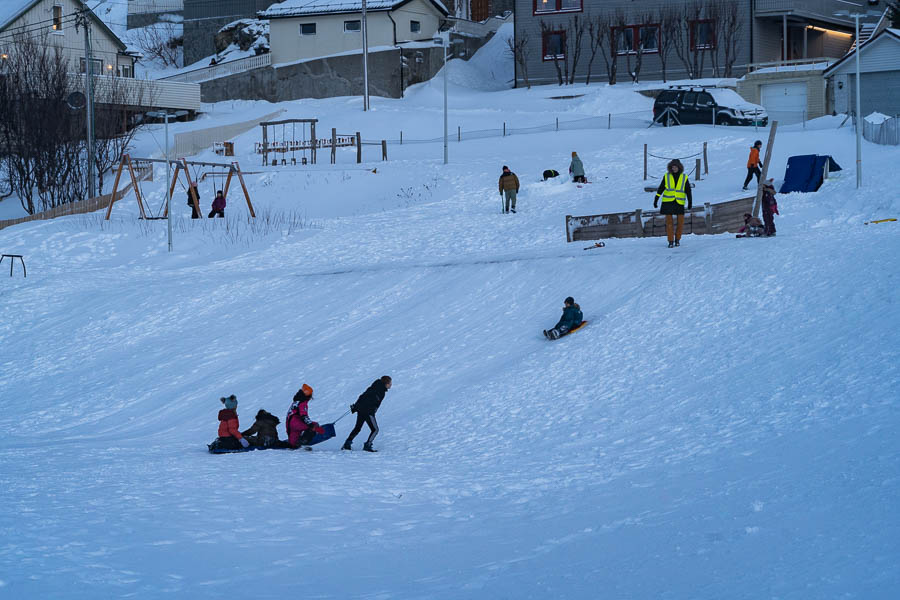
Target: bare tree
(728,33)
(712,12)
(546,32)
(681,42)
(599,31)
(669,22)
(520,52)
(576,27)
(160,41)
(648,39)
(619,23)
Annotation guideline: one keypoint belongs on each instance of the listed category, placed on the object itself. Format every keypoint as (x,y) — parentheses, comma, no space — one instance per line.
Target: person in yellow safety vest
(675,191)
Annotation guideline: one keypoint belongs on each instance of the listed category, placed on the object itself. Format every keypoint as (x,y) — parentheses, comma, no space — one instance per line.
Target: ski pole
(341,417)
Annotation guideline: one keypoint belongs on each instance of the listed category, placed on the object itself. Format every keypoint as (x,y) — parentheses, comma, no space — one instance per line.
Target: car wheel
(724,120)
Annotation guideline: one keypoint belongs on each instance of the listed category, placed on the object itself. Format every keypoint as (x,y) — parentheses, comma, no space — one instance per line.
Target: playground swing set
(231,170)
(307,145)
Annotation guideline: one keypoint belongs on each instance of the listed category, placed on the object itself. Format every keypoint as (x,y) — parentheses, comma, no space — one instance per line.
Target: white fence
(229,68)
(192,142)
(476,29)
(886,133)
(147,7)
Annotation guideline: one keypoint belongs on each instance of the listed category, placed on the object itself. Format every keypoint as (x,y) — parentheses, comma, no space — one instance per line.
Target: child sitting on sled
(264,432)
(571,318)
(753,227)
(230,437)
(301,429)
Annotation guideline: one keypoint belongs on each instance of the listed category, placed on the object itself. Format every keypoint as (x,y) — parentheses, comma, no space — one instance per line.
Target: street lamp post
(365,42)
(859,125)
(439,41)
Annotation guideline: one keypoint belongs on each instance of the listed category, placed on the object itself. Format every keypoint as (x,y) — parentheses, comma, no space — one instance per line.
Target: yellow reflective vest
(674,191)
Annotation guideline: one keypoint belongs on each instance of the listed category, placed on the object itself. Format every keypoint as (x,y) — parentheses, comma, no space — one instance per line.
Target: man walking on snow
(365,408)
(509,184)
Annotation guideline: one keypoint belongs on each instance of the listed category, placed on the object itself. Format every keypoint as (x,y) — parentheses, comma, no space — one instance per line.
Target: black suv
(691,106)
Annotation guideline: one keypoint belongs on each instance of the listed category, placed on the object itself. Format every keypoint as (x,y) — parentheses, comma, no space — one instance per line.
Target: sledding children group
(301,430)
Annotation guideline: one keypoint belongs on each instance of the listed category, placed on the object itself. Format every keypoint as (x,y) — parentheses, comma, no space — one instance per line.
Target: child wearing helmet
(300,428)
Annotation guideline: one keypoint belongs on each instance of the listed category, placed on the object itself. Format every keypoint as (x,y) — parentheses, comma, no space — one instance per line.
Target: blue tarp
(804,173)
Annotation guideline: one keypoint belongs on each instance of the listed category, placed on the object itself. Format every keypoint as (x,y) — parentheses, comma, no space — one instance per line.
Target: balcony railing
(229,68)
(146,7)
(823,9)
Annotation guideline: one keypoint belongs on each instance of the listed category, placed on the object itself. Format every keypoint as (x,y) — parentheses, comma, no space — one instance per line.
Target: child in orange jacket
(230,437)
(753,163)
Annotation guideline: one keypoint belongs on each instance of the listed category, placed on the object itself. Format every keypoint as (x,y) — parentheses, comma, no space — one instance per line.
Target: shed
(879,67)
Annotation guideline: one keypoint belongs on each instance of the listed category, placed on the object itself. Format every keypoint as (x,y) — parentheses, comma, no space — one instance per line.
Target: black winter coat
(369,401)
(266,426)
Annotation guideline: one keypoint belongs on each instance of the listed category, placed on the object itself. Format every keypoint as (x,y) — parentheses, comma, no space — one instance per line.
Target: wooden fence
(80,208)
(723,217)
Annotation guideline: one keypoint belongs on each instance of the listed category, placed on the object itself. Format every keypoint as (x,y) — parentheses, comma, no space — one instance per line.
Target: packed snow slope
(725,427)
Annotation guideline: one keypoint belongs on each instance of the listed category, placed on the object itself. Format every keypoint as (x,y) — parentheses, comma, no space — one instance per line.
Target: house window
(96,66)
(57,18)
(703,34)
(631,38)
(554,45)
(125,71)
(555,6)
(307,29)
(415,26)
(351,27)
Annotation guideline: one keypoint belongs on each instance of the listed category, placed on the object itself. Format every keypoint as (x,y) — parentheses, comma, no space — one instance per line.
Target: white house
(879,67)
(303,29)
(56,19)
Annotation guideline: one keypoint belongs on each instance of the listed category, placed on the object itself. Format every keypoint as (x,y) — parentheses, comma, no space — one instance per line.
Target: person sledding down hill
(230,437)
(300,428)
(571,318)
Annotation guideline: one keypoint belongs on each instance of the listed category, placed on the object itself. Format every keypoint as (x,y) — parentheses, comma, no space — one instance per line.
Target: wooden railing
(723,217)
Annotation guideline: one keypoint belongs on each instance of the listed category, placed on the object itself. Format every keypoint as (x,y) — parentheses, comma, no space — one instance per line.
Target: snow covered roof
(732,99)
(10,10)
(297,8)
(888,33)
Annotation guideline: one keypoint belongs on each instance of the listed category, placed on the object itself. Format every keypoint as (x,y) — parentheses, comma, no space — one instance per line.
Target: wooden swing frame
(183,164)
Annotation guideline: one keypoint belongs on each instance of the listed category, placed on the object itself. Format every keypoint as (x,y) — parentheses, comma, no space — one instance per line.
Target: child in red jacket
(300,428)
(230,437)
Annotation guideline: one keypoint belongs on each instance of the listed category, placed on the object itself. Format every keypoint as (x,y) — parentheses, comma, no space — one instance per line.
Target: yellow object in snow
(881,221)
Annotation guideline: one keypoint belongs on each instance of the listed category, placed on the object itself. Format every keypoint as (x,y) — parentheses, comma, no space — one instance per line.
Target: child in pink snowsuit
(300,428)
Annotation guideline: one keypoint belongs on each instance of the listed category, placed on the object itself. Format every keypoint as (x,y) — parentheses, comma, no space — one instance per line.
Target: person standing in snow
(576,169)
(230,437)
(509,187)
(571,318)
(195,209)
(769,207)
(264,431)
(218,206)
(365,408)
(675,191)
(753,163)
(300,428)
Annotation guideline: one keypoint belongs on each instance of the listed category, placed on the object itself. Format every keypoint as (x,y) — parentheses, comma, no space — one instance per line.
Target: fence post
(458,133)
(705,161)
(638,223)
(383,149)
(645,162)
(333,145)
(826,170)
(713,111)
(804,119)
(401,137)
(697,170)
(707,217)
(609,120)
(358,148)
(568,233)
(504,128)
(557,123)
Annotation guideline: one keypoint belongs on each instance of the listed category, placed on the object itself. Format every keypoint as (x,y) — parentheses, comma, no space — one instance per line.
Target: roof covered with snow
(296,8)
(865,50)
(10,10)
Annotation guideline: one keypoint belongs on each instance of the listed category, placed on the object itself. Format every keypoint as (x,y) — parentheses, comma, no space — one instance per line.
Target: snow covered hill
(725,427)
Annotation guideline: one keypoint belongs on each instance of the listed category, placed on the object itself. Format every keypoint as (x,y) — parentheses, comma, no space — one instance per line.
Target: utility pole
(83,20)
(365,41)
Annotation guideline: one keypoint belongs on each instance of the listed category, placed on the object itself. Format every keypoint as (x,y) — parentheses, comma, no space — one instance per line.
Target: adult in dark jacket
(675,190)
(195,209)
(570,319)
(264,432)
(509,186)
(365,408)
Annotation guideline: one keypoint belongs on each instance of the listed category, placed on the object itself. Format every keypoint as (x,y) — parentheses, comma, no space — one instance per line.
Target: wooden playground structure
(308,144)
(229,171)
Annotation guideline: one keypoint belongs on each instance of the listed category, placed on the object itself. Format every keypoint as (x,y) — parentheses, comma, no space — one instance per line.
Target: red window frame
(557,7)
(693,30)
(562,40)
(635,38)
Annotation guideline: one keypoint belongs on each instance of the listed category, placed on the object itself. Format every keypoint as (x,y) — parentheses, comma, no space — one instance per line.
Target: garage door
(785,102)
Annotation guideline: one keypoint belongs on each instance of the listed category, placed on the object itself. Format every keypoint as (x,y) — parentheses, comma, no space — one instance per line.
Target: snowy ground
(726,427)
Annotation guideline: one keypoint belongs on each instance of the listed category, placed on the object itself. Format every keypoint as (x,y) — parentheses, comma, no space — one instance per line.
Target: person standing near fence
(675,191)
(509,187)
(753,164)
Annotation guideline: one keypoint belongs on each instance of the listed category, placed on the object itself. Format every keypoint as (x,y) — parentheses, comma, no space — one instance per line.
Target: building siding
(880,92)
(882,54)
(528,26)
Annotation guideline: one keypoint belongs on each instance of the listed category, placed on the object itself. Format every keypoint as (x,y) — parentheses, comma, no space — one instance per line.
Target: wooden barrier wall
(724,217)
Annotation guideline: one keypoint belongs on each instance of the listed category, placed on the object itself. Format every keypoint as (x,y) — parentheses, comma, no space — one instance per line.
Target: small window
(624,40)
(552,6)
(705,100)
(124,70)
(689,98)
(308,28)
(649,36)
(57,18)
(667,96)
(703,35)
(415,26)
(352,26)
(554,45)
(97,66)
